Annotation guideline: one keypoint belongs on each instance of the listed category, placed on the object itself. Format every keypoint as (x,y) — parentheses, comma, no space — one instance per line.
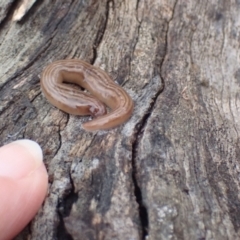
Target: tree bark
(172,171)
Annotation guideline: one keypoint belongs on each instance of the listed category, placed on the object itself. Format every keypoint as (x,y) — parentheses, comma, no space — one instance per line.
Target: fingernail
(20,158)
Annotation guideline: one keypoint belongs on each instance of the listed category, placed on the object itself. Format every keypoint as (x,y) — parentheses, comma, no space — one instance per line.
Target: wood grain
(172,172)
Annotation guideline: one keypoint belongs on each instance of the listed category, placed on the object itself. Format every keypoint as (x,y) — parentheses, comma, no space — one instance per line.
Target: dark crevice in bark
(59,140)
(137,4)
(21,71)
(29,12)
(100,33)
(62,233)
(70,199)
(143,212)
(10,10)
(7,19)
(38,53)
(64,208)
(68,117)
(33,98)
(142,209)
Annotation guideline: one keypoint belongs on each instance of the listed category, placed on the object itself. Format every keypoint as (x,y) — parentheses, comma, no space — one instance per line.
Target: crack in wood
(21,71)
(100,34)
(63,210)
(62,233)
(65,205)
(9,12)
(24,10)
(143,211)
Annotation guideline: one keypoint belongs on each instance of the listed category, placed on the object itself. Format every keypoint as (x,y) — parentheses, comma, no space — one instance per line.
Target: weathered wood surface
(172,171)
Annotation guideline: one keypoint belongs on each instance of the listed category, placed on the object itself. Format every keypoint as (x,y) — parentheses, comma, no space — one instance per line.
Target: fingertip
(20,201)
(32,147)
(20,158)
(23,185)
